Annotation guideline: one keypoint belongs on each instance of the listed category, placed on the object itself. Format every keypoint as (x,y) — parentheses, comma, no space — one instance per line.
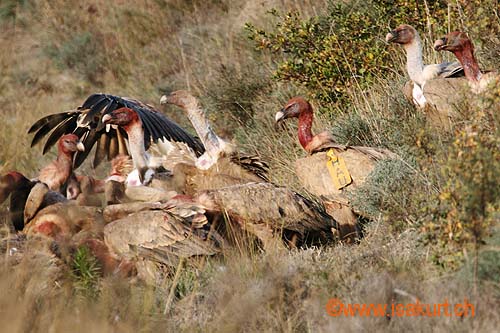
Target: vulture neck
(64,162)
(135,134)
(469,64)
(305,125)
(213,144)
(414,62)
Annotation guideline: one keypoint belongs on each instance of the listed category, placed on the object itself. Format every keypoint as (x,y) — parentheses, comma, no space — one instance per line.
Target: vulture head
(455,41)
(70,143)
(122,117)
(180,98)
(293,109)
(403,34)
(10,182)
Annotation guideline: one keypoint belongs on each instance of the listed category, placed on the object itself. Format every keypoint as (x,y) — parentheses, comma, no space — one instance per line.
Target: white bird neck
(135,135)
(414,60)
(212,142)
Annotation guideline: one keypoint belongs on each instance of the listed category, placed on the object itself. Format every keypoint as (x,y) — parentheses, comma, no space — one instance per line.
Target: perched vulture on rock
(87,123)
(331,169)
(419,73)
(461,46)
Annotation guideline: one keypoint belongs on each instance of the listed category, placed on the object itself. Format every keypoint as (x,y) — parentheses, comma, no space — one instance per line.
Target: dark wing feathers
(101,149)
(253,164)
(50,119)
(68,125)
(43,126)
(92,100)
(86,123)
(88,141)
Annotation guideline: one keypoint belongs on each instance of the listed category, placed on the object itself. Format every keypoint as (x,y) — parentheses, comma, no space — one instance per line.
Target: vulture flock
(170,195)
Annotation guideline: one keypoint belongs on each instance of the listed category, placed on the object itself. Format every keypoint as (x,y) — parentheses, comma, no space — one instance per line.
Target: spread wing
(86,122)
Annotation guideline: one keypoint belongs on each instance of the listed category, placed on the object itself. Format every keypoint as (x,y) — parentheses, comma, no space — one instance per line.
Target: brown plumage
(271,213)
(16,186)
(444,97)
(86,190)
(57,173)
(121,166)
(313,172)
(189,180)
(40,196)
(50,214)
(176,229)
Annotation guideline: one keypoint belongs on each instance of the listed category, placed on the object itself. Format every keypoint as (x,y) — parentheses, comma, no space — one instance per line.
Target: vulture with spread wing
(87,123)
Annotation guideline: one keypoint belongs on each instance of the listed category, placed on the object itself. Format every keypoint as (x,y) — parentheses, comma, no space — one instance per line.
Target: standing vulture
(87,123)
(461,46)
(419,73)
(331,169)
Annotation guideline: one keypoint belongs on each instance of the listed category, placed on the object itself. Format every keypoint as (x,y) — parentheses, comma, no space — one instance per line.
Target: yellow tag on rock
(338,170)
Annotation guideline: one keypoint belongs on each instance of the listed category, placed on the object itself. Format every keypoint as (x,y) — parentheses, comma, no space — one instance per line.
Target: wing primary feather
(122,146)
(101,149)
(92,100)
(95,110)
(112,147)
(88,142)
(64,127)
(49,126)
(51,120)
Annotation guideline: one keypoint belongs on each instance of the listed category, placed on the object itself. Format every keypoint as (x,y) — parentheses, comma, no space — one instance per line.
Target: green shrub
(330,54)
(468,205)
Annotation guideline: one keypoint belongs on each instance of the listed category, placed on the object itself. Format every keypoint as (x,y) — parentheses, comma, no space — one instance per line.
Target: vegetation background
(436,236)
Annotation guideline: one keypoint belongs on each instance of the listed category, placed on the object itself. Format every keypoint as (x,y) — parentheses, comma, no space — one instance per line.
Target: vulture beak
(391,36)
(106,118)
(164,99)
(80,146)
(280,115)
(440,44)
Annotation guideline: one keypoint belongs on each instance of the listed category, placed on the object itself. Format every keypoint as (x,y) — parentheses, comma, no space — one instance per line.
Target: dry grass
(55,53)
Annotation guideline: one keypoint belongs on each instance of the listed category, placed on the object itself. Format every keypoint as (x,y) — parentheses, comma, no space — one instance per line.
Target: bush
(343,49)
(469,202)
